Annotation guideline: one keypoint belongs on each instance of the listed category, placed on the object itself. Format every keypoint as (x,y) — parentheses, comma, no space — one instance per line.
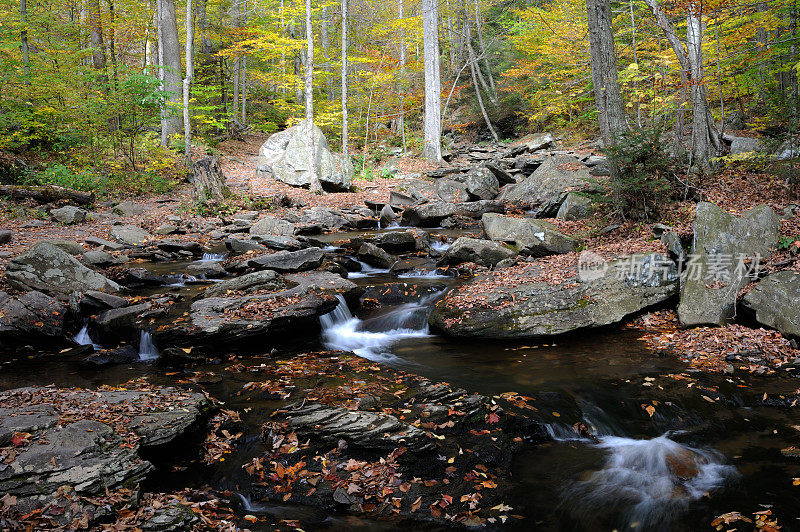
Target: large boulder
(726,249)
(251,282)
(774,302)
(33,315)
(575,207)
(284,156)
(328,218)
(48,269)
(288,261)
(272,226)
(451,191)
(130,235)
(395,241)
(432,214)
(547,188)
(69,215)
(375,256)
(531,237)
(514,307)
(482,184)
(483,252)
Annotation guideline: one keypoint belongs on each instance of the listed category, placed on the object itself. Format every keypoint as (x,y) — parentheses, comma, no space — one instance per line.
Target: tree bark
(607,96)
(432,149)
(96,38)
(473,66)
(187,81)
(316,186)
(401,89)
(26,57)
(345,154)
(482,50)
(209,181)
(171,66)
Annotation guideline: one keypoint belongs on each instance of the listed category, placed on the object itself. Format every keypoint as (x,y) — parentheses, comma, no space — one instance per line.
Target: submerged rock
(725,249)
(46,268)
(528,308)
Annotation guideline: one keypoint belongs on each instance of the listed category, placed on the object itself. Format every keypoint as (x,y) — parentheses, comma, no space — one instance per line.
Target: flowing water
(661,448)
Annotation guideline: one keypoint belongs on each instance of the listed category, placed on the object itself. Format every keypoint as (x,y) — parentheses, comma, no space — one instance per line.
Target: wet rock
(530,309)
(48,269)
(251,282)
(395,242)
(5,236)
(93,301)
(279,242)
(483,252)
(575,207)
(69,215)
(173,517)
(387,216)
(238,246)
(139,278)
(284,157)
(774,301)
(110,357)
(288,261)
(366,430)
(189,248)
(432,214)
(547,188)
(451,191)
(722,242)
(207,269)
(32,315)
(481,184)
(375,256)
(328,219)
(117,322)
(529,236)
(130,235)
(101,242)
(272,226)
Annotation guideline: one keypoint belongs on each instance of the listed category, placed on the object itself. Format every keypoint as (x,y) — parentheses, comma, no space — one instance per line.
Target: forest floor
(706,348)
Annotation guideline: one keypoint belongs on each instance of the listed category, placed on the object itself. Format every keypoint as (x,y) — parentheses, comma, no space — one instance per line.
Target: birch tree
(432,149)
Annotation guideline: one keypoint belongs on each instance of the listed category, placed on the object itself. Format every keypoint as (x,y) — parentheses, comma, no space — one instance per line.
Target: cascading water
(651,481)
(371,338)
(366,271)
(213,257)
(83,338)
(181,280)
(147,350)
(441,247)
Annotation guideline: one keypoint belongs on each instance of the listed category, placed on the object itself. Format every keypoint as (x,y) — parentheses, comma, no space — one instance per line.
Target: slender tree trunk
(316,186)
(206,46)
(635,60)
(345,154)
(243,68)
(26,57)
(473,66)
(172,67)
(112,45)
(236,62)
(607,96)
(96,39)
(432,149)
(160,61)
(402,88)
(482,50)
(187,81)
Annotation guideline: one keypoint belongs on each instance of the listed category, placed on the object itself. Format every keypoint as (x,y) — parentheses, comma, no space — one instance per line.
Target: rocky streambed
(442,358)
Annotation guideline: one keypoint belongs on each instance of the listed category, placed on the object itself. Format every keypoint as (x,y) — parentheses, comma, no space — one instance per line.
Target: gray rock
(674,246)
(167,229)
(375,256)
(329,219)
(129,208)
(547,188)
(483,252)
(451,191)
(745,145)
(365,430)
(279,242)
(93,301)
(503,177)
(48,269)
(432,214)
(774,301)
(5,236)
(101,259)
(387,216)
(238,246)
(207,269)
(790,149)
(33,315)
(400,200)
(272,226)
(130,235)
(539,142)
(284,157)
(100,242)
(538,309)
(395,241)
(117,322)
(575,207)
(69,215)
(193,248)
(264,280)
(69,246)
(712,280)
(530,237)
(482,184)
(288,261)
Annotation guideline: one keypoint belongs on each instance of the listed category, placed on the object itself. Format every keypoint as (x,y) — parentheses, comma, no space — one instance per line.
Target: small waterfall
(213,257)
(366,271)
(147,350)
(649,481)
(181,279)
(371,338)
(83,338)
(420,274)
(441,247)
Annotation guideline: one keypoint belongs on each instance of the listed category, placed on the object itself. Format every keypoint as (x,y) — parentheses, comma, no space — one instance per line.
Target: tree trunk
(402,88)
(172,67)
(607,96)
(473,66)
(482,50)
(46,194)
(243,69)
(209,181)
(316,186)
(432,149)
(187,81)
(236,62)
(96,38)
(345,155)
(26,57)
(206,46)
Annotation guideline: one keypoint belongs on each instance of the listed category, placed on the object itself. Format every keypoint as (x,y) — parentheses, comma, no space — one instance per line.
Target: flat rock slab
(367,430)
(432,214)
(530,236)
(288,261)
